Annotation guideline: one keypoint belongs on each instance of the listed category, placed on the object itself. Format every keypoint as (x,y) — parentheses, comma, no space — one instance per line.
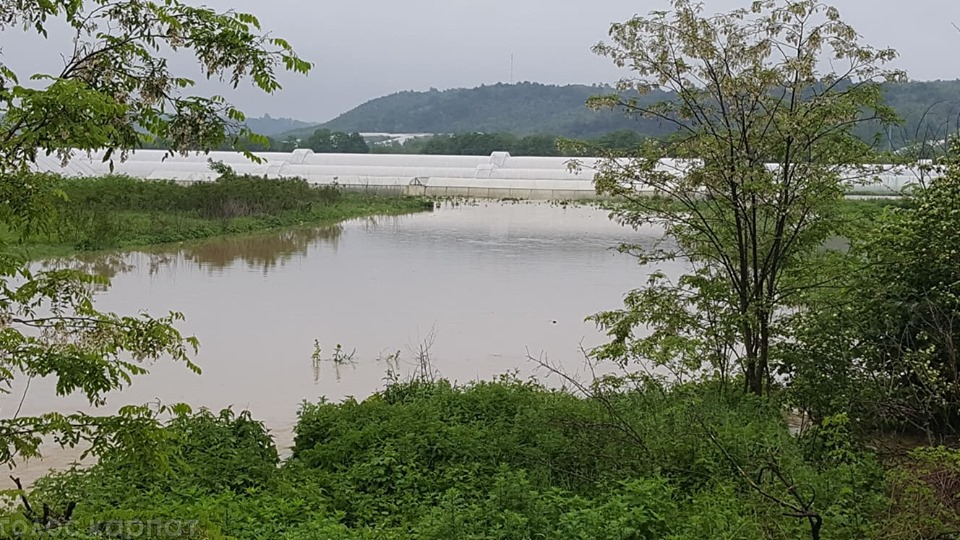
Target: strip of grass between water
(88,227)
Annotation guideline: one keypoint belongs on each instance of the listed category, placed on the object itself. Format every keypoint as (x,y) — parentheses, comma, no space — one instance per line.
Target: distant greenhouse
(498,175)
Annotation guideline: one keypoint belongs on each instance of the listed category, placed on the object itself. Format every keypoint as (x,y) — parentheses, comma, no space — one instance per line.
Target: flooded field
(479,287)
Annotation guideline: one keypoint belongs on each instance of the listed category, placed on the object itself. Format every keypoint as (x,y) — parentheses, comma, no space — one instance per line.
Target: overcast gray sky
(368,48)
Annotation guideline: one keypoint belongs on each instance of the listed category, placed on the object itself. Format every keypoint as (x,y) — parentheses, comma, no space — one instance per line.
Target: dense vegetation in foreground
(122,212)
(511,460)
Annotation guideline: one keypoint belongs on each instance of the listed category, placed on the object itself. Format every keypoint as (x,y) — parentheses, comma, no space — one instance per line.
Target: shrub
(506,459)
(924,495)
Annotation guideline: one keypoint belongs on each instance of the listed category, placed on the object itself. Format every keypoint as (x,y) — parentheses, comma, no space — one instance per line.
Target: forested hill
(527,108)
(266,125)
(519,109)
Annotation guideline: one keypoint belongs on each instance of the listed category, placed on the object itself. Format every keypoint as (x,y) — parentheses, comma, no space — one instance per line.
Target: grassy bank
(117,212)
(514,460)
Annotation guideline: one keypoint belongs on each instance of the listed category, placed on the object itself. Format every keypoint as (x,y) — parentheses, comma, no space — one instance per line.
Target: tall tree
(751,88)
(115,92)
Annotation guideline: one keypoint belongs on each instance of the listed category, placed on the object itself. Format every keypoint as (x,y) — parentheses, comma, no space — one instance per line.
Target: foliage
(116,89)
(748,91)
(320,141)
(325,141)
(204,453)
(207,458)
(484,144)
(888,337)
(506,459)
(926,486)
(622,142)
(228,197)
(118,211)
(49,327)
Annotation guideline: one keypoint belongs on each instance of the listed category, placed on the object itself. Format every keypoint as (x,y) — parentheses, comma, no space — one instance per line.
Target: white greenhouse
(499,175)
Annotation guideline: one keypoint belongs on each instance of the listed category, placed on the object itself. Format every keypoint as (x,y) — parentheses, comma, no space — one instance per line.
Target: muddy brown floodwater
(487,282)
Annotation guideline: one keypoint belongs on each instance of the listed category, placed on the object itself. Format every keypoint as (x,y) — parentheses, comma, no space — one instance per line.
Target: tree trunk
(754,372)
(763,358)
(755,376)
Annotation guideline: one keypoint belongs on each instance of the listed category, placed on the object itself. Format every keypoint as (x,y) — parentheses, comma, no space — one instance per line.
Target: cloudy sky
(368,48)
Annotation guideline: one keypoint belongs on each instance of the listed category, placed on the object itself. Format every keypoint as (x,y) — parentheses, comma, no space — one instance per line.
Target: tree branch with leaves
(115,91)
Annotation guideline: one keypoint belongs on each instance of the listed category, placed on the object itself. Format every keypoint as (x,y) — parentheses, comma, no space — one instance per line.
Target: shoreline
(198,230)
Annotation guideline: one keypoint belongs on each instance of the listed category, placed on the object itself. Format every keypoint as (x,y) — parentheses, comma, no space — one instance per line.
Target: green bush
(202,453)
(925,495)
(506,459)
(416,446)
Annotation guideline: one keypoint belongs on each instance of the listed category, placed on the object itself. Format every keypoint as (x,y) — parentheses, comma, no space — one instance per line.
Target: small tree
(748,91)
(115,92)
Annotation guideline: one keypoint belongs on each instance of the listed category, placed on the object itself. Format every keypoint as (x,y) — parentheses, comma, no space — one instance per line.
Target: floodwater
(481,287)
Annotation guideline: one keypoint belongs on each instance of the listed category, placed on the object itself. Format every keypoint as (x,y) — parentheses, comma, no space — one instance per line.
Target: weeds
(118,211)
(339,358)
(418,367)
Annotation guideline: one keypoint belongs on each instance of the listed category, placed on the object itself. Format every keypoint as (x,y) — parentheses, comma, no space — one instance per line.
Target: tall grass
(228,197)
(119,211)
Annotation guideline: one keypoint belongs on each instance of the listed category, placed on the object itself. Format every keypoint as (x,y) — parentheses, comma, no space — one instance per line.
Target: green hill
(520,109)
(931,110)
(266,125)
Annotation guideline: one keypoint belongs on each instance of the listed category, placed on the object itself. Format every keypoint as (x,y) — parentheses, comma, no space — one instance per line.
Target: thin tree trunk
(763,358)
(754,369)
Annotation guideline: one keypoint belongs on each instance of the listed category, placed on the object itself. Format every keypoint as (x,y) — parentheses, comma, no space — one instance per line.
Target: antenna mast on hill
(511,68)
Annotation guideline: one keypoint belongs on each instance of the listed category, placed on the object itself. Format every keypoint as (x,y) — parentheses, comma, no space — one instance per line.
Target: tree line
(321,141)
(543,145)
(324,141)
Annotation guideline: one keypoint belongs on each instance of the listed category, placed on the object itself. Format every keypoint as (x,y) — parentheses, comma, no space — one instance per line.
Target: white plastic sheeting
(498,175)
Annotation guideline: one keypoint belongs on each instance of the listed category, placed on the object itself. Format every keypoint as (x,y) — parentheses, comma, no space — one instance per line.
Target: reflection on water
(489,284)
(263,252)
(99,264)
